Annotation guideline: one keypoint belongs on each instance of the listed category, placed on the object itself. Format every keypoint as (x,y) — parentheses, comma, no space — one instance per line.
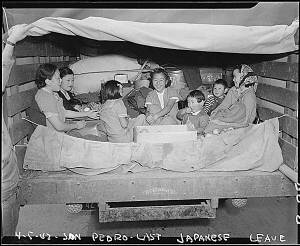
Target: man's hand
(18,32)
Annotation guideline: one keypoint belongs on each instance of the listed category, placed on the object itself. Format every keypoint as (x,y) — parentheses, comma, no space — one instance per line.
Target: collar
(45,89)
(160,93)
(64,92)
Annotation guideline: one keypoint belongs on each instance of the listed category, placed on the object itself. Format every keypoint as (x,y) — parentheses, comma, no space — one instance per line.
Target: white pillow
(108,65)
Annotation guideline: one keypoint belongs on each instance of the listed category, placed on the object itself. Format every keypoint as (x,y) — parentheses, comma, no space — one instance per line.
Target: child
(161,103)
(118,127)
(67,82)
(194,115)
(239,106)
(214,100)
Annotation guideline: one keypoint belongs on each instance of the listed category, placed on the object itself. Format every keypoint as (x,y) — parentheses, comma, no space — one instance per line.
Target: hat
(248,76)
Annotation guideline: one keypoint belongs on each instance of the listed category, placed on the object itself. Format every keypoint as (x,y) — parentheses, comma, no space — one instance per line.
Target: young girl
(67,82)
(161,103)
(118,127)
(51,105)
(239,106)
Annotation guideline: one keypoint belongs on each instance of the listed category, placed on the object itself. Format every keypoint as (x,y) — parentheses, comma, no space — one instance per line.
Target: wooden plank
(290,173)
(61,187)
(156,213)
(4,106)
(289,153)
(19,102)
(19,130)
(281,96)
(296,36)
(22,74)
(287,124)
(277,70)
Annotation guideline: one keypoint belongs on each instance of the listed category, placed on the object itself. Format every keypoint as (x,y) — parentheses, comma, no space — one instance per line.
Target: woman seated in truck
(238,109)
(48,82)
(161,103)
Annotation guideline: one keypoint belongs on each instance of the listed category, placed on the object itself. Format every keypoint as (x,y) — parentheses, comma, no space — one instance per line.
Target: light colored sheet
(252,148)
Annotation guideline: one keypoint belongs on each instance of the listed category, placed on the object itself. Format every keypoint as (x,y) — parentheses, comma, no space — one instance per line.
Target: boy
(214,100)
(194,115)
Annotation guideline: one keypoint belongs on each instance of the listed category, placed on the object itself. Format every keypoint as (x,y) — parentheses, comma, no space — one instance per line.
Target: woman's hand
(80,124)
(93,114)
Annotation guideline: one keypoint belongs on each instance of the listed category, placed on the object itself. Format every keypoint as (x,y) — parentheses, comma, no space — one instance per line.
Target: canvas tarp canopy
(267,28)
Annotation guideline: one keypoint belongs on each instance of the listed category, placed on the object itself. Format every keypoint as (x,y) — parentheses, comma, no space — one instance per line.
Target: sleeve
(149,100)
(180,114)
(183,93)
(250,105)
(47,106)
(228,100)
(121,109)
(208,103)
(6,69)
(173,94)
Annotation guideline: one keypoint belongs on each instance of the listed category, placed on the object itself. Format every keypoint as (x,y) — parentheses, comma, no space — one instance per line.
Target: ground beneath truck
(271,217)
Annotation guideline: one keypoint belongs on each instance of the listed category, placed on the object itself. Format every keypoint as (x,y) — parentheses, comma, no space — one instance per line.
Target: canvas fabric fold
(183,36)
(254,147)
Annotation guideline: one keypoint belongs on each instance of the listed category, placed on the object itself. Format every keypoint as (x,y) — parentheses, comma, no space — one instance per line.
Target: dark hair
(164,72)
(221,82)
(111,90)
(44,71)
(198,95)
(65,71)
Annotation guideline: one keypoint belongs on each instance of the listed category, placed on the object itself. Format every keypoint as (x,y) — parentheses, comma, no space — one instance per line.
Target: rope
(30,121)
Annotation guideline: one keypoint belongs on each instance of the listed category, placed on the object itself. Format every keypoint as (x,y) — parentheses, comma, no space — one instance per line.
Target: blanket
(251,148)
